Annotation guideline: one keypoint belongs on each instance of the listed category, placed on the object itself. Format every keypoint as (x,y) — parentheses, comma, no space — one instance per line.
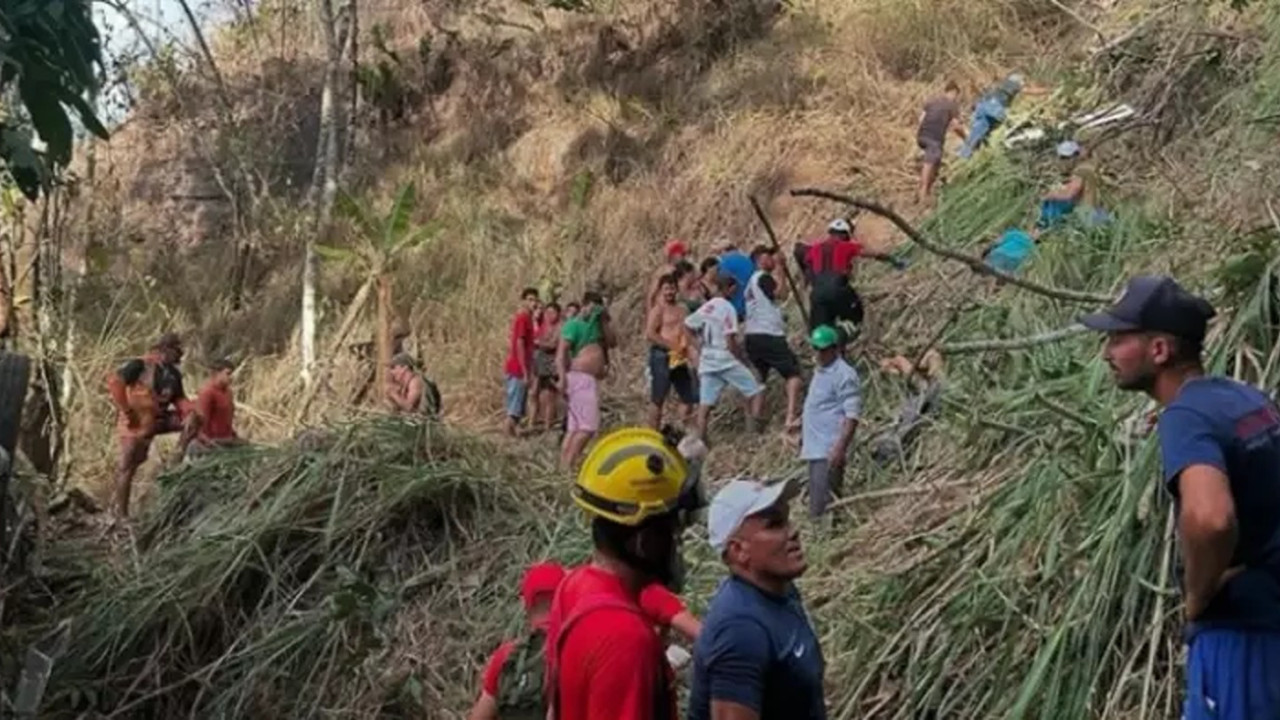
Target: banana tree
(381,242)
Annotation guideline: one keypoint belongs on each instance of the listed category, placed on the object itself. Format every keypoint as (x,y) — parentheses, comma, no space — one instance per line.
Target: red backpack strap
(585,607)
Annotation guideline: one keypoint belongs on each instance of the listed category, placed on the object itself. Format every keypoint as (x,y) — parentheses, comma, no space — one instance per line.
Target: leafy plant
(51,51)
(382,238)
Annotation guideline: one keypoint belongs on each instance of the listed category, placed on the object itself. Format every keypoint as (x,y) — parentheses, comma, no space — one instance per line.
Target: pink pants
(584,402)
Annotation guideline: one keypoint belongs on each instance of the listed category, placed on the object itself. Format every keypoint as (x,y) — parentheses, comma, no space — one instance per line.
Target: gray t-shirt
(835,395)
(938,114)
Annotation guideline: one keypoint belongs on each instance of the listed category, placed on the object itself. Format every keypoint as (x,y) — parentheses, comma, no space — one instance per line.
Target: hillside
(1013,563)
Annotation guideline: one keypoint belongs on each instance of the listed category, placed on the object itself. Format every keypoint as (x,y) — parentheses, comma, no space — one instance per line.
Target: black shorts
(932,148)
(771,352)
(833,304)
(663,377)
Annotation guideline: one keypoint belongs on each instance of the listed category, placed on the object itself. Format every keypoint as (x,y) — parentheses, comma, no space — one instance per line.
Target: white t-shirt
(763,315)
(714,322)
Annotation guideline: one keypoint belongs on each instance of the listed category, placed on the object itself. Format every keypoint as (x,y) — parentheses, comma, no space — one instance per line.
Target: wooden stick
(975,263)
(773,238)
(973,346)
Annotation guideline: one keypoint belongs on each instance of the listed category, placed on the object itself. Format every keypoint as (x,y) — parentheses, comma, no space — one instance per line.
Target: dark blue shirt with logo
(758,650)
(1236,428)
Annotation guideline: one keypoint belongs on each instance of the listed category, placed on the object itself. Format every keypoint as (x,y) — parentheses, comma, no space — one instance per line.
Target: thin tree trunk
(348,321)
(324,186)
(384,329)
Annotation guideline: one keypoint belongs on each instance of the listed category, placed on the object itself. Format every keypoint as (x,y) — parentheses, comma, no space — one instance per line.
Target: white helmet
(840,225)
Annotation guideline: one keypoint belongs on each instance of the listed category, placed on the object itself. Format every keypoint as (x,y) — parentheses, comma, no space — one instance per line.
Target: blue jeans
(514,393)
(1233,675)
(987,114)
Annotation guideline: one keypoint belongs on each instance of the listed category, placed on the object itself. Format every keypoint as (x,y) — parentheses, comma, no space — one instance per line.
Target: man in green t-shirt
(582,358)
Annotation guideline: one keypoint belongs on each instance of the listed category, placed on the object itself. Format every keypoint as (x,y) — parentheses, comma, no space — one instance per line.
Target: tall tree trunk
(324,184)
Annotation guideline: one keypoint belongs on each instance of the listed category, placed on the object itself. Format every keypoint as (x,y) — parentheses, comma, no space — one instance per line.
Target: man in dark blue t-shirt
(757,657)
(1220,446)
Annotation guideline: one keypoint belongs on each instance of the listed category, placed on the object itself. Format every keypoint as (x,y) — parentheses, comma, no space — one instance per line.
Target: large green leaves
(383,238)
(51,50)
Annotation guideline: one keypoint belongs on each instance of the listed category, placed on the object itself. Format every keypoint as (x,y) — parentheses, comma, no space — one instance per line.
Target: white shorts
(736,375)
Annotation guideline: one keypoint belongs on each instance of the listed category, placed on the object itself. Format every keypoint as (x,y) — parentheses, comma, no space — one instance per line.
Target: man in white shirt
(831,411)
(766,329)
(720,351)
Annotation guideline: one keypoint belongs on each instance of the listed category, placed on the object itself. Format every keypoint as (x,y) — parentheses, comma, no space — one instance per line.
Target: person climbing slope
(604,660)
(671,362)
(941,114)
(582,360)
(992,108)
(149,400)
(721,357)
(829,265)
(1220,448)
(766,329)
(519,365)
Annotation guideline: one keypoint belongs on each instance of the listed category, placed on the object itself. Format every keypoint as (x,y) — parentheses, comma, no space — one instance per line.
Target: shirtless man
(676,252)
(408,392)
(582,359)
(149,400)
(670,364)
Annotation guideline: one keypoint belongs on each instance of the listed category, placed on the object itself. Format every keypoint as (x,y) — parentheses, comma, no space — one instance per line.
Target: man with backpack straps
(828,266)
(604,661)
(513,682)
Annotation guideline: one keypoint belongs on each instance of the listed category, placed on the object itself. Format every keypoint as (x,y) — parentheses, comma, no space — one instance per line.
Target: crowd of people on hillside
(718,328)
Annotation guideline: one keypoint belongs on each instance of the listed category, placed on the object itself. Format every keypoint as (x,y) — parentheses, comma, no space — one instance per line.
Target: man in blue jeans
(991,110)
(757,657)
(1220,446)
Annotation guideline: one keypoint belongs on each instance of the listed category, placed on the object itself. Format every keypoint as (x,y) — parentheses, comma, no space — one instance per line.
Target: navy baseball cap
(1154,303)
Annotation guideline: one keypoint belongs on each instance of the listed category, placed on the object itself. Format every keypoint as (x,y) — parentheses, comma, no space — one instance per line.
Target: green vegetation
(51,53)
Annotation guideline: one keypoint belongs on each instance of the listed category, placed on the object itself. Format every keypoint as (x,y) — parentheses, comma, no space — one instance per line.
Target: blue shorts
(1233,675)
(711,383)
(514,389)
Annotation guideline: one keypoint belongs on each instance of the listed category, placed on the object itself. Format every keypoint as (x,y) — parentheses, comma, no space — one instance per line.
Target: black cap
(1154,303)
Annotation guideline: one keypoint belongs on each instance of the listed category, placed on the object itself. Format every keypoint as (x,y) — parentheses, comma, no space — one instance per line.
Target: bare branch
(1022,343)
(975,263)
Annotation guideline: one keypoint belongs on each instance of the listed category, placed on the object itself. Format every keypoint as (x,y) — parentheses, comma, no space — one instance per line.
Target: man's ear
(1159,349)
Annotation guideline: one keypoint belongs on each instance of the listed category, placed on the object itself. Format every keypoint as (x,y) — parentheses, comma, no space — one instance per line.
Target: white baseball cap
(739,500)
(1068,149)
(839,225)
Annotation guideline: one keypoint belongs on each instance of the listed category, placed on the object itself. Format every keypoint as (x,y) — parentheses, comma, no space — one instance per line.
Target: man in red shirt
(828,266)
(217,408)
(604,660)
(664,609)
(519,365)
(536,590)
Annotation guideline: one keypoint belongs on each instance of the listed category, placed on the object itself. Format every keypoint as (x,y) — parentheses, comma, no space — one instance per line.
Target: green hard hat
(823,337)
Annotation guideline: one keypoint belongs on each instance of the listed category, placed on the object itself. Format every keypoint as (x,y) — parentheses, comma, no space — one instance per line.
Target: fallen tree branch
(975,263)
(975,346)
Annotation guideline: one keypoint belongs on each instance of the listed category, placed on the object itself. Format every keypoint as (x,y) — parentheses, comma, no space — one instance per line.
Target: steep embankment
(1012,564)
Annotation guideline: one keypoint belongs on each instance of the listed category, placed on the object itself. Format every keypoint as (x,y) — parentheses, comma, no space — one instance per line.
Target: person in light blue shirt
(738,264)
(757,657)
(990,111)
(831,410)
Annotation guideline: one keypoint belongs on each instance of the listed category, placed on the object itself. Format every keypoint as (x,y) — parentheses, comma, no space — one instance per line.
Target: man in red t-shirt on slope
(519,365)
(217,410)
(828,267)
(604,660)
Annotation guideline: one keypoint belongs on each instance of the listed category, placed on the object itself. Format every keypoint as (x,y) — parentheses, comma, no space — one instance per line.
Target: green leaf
(336,254)
(48,117)
(398,220)
(347,207)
